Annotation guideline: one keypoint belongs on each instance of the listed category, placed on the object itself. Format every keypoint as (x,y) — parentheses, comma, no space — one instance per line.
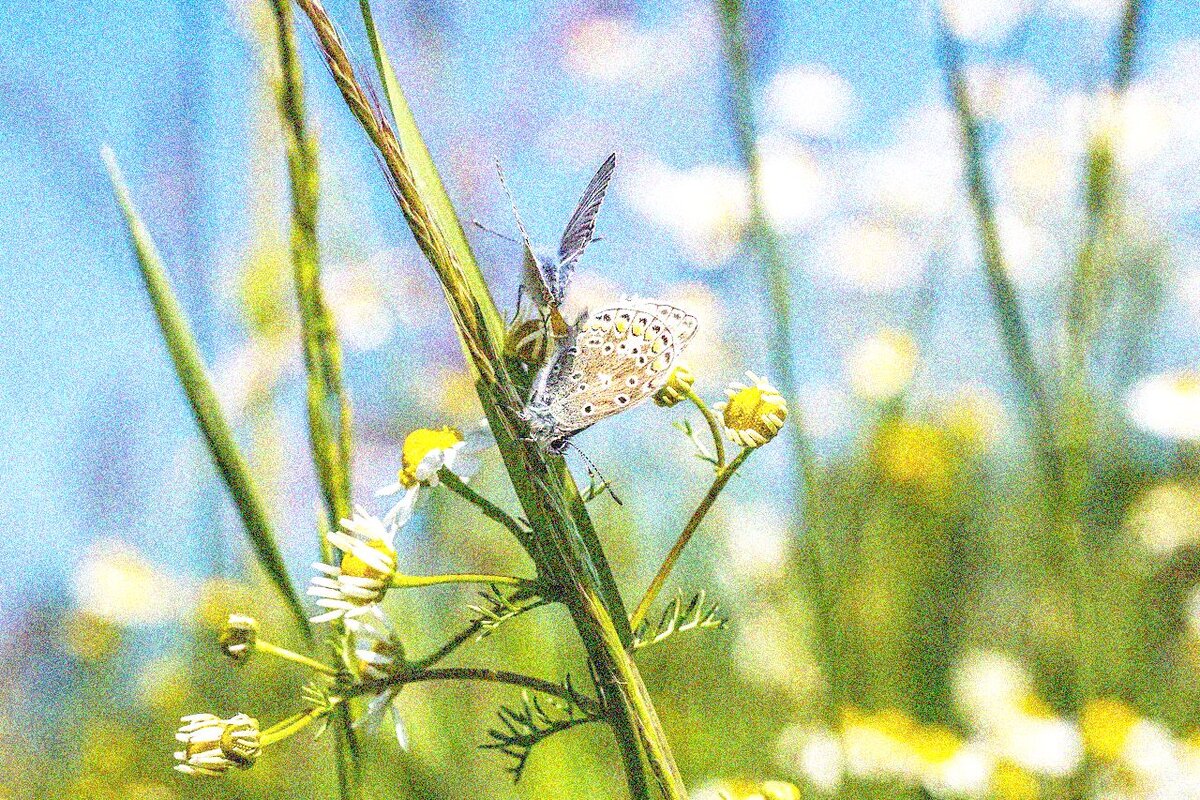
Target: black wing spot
(587,409)
(632,380)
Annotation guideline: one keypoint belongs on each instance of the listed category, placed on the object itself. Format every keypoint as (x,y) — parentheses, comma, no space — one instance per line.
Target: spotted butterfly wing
(612,360)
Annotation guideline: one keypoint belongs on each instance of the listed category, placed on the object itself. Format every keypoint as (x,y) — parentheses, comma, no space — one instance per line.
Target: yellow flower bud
(678,384)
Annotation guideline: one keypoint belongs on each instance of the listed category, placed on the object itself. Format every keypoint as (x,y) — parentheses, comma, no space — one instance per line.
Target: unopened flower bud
(678,384)
(212,745)
(238,637)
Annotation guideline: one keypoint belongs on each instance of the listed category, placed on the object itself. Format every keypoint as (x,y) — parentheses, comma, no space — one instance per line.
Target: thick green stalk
(817,558)
(563,546)
(1061,502)
(193,376)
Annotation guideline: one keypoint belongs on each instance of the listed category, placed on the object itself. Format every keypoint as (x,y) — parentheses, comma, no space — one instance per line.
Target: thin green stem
(414,581)
(587,704)
(329,432)
(1014,331)
(714,427)
(289,655)
(693,523)
(489,509)
(817,556)
(292,725)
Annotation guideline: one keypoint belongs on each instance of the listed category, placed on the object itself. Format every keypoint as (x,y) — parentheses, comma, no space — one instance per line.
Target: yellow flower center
(936,744)
(1106,724)
(677,386)
(756,409)
(419,444)
(355,567)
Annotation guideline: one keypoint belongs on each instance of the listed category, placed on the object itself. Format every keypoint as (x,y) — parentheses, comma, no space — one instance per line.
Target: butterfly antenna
(594,471)
(493,231)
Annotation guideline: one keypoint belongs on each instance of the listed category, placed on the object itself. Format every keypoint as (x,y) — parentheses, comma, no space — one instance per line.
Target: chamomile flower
(212,745)
(1168,406)
(753,414)
(426,451)
(367,568)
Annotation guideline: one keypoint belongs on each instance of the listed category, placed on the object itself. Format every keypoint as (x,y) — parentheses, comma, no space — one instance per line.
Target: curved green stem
(413,581)
(587,704)
(489,509)
(697,517)
(714,426)
(296,658)
(295,723)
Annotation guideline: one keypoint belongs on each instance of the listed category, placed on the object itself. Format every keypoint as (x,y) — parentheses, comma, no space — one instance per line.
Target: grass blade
(328,405)
(425,173)
(192,375)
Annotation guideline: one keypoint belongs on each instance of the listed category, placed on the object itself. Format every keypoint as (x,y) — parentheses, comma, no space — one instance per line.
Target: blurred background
(123,553)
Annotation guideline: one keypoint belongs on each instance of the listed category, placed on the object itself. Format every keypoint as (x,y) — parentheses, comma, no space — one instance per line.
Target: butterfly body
(610,360)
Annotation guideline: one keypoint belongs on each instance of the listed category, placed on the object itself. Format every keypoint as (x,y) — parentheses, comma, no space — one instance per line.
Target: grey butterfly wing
(616,358)
(532,277)
(579,231)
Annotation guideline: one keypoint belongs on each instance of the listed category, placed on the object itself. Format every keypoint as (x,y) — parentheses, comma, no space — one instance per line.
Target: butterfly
(547,273)
(609,360)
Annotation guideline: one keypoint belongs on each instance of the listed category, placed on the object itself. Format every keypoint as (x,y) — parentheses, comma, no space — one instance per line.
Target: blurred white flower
(1043,745)
(756,540)
(989,687)
(1007,93)
(793,187)
(985,21)
(361,313)
(1165,517)
(872,255)
(814,753)
(810,99)
(116,583)
(704,208)
(1167,405)
(616,51)
(882,366)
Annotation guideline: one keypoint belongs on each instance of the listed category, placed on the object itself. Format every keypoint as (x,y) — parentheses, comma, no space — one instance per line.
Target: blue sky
(86,388)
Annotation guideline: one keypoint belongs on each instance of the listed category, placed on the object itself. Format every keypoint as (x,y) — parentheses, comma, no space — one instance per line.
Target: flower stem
(697,517)
(489,509)
(297,658)
(295,723)
(412,581)
(714,426)
(587,704)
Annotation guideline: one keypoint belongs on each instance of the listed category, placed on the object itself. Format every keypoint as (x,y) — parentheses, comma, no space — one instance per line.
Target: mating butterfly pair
(610,359)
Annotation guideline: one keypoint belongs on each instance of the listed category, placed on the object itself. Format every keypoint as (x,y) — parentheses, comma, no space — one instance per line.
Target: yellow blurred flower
(1168,405)
(878,745)
(882,366)
(1106,725)
(975,418)
(915,456)
(1011,782)
(116,583)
